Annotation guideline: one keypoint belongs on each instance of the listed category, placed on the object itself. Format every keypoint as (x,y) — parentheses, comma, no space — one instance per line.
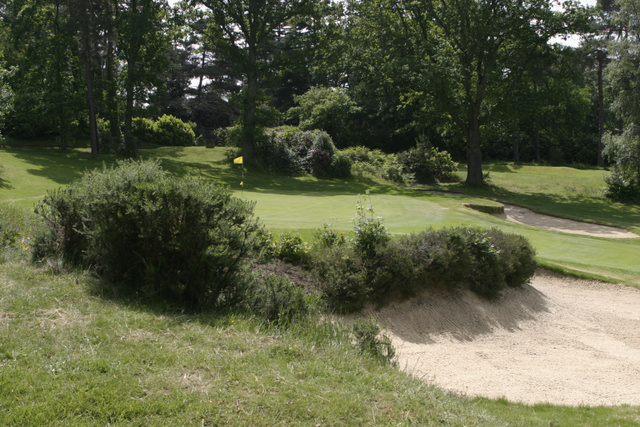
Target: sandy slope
(560,340)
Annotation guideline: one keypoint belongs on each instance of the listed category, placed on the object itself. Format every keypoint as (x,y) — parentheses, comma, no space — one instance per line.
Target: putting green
(304,212)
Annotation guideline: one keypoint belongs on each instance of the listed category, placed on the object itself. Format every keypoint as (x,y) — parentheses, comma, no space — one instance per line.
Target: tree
(624,78)
(457,51)
(142,42)
(243,33)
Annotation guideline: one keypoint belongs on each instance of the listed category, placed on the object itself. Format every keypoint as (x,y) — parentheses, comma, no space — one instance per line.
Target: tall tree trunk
(601,58)
(537,140)
(111,101)
(130,148)
(516,142)
(474,153)
(249,114)
(88,72)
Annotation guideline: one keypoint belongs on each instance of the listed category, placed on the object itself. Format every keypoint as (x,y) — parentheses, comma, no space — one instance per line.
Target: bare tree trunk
(474,153)
(601,59)
(516,142)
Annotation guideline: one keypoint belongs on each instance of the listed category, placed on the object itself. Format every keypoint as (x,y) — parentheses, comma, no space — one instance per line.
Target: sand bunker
(547,222)
(559,340)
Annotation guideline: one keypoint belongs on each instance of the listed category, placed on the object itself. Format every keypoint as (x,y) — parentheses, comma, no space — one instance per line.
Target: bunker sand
(557,340)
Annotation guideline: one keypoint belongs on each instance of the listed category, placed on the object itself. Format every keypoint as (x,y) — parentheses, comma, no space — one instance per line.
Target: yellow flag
(237,161)
(241,182)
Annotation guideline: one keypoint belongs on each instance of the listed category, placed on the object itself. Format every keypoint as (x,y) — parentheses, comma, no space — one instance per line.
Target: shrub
(340,166)
(170,130)
(322,141)
(487,275)
(365,161)
(342,278)
(144,129)
(318,162)
(486,261)
(622,187)
(427,164)
(183,239)
(292,248)
(517,257)
(279,301)
(371,342)
(284,150)
(326,237)
(370,233)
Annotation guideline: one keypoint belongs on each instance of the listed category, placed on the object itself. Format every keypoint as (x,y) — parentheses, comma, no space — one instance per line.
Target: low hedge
(484,261)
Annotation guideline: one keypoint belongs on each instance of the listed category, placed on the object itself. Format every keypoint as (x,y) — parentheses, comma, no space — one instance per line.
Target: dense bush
(350,274)
(290,150)
(370,233)
(184,239)
(370,341)
(342,278)
(279,301)
(427,164)
(623,184)
(144,129)
(170,130)
(374,163)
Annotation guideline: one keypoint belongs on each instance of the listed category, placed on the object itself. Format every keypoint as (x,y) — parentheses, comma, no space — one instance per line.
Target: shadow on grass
(62,167)
(261,181)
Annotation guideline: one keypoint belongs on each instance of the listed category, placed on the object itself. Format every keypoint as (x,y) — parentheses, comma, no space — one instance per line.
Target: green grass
(70,355)
(560,191)
(301,204)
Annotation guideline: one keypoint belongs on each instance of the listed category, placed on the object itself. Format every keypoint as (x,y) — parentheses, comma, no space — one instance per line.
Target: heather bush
(370,341)
(279,301)
(137,226)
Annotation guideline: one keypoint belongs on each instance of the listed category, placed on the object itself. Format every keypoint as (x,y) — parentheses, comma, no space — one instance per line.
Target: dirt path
(559,340)
(547,222)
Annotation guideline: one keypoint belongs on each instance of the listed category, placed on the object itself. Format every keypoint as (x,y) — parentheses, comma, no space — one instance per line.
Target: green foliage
(366,161)
(172,131)
(427,165)
(369,341)
(327,237)
(292,248)
(183,239)
(340,166)
(624,152)
(342,278)
(370,233)
(144,129)
(279,301)
(290,150)
(328,109)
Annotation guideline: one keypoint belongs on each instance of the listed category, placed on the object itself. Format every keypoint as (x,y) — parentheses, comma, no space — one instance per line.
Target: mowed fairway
(302,204)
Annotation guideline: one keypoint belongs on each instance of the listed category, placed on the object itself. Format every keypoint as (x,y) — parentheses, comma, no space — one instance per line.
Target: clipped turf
(301,204)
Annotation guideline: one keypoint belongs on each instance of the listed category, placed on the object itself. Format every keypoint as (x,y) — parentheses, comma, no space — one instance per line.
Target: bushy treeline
(292,150)
(191,242)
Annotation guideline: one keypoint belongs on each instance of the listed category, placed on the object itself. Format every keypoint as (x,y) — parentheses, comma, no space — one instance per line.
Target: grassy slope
(303,203)
(69,356)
